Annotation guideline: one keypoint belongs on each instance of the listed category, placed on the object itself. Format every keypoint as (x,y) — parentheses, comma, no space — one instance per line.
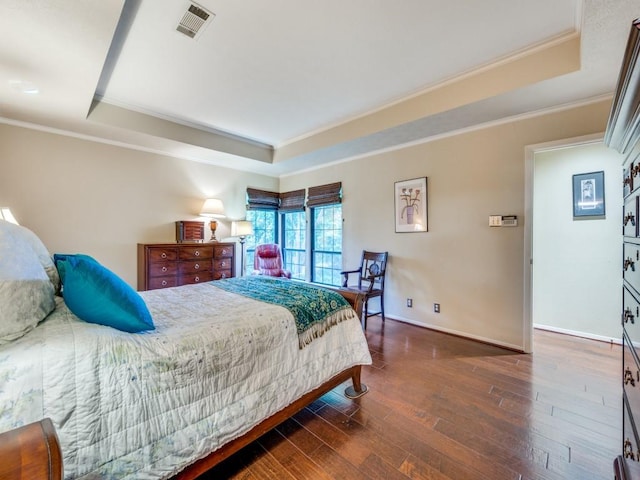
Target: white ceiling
(264,77)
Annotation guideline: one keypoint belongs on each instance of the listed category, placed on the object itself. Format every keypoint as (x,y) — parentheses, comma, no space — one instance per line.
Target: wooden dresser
(623,134)
(162,265)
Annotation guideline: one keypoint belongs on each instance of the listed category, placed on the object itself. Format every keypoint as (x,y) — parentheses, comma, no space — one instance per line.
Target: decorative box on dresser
(162,265)
(623,134)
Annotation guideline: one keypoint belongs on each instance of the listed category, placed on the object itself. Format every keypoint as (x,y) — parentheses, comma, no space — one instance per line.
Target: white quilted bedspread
(143,406)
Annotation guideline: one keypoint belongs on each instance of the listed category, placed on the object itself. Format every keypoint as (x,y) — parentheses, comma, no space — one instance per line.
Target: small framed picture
(588,195)
(411,205)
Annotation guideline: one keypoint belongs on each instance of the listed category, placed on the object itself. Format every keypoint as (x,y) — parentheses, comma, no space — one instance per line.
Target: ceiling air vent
(194,20)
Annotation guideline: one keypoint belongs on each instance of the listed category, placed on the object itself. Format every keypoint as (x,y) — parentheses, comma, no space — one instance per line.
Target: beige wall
(475,272)
(99,199)
(102,200)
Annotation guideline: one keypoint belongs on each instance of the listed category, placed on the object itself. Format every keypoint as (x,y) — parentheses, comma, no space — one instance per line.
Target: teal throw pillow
(97,295)
(59,257)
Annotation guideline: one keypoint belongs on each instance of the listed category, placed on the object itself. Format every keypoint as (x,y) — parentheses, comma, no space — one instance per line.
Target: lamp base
(213,225)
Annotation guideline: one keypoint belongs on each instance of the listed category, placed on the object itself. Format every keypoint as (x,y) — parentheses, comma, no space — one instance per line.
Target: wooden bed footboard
(31,452)
(208,462)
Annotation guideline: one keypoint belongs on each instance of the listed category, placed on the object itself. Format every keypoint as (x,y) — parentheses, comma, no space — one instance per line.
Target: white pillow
(26,292)
(23,234)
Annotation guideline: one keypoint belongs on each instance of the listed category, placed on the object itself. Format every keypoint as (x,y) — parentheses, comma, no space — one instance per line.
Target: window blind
(292,201)
(329,194)
(262,199)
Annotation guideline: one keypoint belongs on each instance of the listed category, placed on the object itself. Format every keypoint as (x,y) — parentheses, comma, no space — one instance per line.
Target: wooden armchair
(31,452)
(267,260)
(370,275)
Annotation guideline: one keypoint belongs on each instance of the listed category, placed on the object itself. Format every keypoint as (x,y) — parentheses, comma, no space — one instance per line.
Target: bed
(217,369)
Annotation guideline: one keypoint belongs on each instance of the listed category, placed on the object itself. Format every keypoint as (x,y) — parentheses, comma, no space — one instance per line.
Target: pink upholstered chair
(267,260)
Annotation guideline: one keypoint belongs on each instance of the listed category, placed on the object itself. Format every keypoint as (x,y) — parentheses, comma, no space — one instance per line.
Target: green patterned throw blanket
(314,309)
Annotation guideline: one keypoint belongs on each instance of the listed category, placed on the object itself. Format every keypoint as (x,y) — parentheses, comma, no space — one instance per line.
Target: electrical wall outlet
(436,307)
(410,302)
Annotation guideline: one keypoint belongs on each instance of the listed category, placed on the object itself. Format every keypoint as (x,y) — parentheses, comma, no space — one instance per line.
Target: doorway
(572,265)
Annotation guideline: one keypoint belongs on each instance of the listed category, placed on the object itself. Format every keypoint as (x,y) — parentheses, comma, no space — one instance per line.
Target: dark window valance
(262,199)
(292,201)
(325,195)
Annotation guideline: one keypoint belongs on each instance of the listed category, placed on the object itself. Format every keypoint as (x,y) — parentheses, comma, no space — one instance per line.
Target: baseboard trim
(575,333)
(477,338)
(509,346)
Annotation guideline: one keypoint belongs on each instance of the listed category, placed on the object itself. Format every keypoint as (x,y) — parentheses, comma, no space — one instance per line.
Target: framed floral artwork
(411,205)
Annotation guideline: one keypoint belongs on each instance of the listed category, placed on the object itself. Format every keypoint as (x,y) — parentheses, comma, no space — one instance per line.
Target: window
(294,233)
(326,248)
(325,255)
(294,239)
(264,231)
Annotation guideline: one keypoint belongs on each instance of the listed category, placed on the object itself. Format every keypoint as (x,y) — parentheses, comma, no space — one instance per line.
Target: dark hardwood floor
(442,407)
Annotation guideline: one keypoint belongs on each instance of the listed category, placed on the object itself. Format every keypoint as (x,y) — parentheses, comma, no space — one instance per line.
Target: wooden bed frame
(33,451)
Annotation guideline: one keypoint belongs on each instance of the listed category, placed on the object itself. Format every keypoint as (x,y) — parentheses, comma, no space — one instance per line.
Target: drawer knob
(197,279)
(164,283)
(164,269)
(630,217)
(628,316)
(225,251)
(164,255)
(197,253)
(197,266)
(628,377)
(224,275)
(628,263)
(224,264)
(628,450)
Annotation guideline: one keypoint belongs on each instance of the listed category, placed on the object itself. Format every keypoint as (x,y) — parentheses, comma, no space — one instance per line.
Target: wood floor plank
(442,407)
(296,463)
(377,444)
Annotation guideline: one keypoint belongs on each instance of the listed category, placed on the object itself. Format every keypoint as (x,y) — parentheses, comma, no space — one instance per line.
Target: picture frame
(588,195)
(411,198)
(189,231)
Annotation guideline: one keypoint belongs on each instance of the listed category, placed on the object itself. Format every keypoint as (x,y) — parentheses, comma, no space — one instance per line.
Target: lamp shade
(5,214)
(241,228)
(212,207)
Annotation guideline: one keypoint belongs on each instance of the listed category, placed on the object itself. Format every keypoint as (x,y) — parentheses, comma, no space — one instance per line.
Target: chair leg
(365,313)
(382,306)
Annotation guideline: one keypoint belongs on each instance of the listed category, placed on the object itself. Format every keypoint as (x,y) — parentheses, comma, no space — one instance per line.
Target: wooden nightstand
(162,265)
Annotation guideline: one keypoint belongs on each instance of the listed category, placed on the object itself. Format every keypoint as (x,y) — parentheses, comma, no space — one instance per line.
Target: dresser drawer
(630,218)
(630,443)
(223,251)
(630,375)
(160,254)
(631,265)
(162,282)
(220,274)
(163,269)
(631,317)
(194,266)
(196,277)
(195,252)
(628,180)
(222,263)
